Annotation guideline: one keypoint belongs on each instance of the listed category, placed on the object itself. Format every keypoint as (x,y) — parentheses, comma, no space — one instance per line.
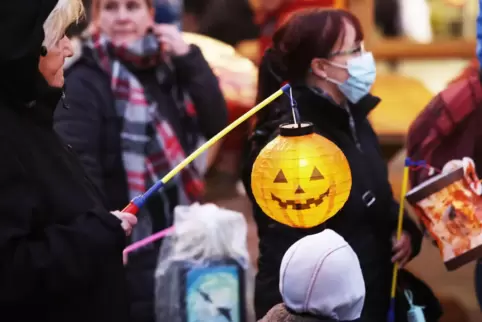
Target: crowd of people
(135,99)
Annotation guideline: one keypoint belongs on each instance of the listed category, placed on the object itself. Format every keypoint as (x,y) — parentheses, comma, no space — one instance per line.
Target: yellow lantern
(301,179)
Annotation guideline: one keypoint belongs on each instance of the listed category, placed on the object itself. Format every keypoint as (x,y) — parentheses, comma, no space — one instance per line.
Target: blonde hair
(64,14)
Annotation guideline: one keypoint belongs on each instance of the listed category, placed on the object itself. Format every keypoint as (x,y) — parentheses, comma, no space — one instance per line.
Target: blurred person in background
(140,100)
(230,21)
(387,17)
(448,128)
(320,53)
(61,249)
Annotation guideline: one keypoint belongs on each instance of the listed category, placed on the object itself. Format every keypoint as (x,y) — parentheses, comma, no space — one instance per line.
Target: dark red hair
(308,34)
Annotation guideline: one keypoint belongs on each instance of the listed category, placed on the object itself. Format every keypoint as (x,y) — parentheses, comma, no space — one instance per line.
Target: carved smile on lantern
(297,204)
(301,206)
(301,179)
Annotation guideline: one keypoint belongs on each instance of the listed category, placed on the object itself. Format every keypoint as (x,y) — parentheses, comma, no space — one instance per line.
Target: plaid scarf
(150,147)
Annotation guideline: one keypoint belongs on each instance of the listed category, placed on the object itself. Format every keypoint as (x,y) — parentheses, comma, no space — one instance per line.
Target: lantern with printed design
(301,179)
(450,207)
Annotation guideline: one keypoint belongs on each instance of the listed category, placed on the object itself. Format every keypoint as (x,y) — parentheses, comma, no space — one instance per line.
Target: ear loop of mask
(334,81)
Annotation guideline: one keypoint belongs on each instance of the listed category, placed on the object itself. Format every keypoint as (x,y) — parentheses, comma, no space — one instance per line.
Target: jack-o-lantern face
(301,201)
(301,181)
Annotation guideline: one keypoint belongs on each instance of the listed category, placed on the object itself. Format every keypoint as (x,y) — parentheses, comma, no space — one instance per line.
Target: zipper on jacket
(353,128)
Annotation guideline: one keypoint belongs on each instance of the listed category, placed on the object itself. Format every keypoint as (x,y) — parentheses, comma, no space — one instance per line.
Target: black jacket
(368,230)
(20,50)
(61,249)
(91,125)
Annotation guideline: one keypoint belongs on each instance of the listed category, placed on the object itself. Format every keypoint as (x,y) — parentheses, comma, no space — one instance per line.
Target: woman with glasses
(320,53)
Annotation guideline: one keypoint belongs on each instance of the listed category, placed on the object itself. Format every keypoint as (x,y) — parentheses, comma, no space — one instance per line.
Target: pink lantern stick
(148,240)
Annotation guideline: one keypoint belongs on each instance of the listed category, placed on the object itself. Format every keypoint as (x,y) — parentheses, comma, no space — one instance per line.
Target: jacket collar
(41,109)
(47,100)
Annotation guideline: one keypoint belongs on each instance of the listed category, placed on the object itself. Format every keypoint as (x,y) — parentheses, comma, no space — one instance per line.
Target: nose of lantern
(299,190)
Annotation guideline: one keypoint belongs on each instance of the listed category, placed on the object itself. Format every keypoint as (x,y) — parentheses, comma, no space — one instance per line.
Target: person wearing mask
(140,100)
(320,53)
(61,248)
(320,280)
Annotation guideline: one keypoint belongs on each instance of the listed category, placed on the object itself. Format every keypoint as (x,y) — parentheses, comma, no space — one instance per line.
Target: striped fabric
(150,148)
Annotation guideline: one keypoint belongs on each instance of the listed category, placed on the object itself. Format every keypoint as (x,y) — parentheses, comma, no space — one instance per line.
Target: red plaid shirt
(448,128)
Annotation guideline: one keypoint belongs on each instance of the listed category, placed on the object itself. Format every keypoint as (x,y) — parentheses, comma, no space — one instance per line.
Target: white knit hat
(321,275)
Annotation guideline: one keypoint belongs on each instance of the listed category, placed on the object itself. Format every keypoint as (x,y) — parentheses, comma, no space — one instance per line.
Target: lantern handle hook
(294,109)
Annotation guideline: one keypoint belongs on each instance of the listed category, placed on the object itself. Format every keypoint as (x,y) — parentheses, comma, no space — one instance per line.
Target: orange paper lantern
(301,179)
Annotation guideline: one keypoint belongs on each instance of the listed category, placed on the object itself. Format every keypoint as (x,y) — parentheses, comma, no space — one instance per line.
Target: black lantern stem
(294,109)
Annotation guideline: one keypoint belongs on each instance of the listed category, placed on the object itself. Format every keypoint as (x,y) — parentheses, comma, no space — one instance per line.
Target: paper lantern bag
(450,207)
(204,271)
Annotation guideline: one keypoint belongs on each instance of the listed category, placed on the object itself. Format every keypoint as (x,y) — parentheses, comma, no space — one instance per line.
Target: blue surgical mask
(362,74)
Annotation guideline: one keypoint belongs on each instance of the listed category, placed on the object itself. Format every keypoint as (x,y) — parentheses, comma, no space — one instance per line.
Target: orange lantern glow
(301,179)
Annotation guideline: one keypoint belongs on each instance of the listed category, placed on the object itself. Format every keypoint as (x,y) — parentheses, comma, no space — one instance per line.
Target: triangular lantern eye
(280,177)
(316,175)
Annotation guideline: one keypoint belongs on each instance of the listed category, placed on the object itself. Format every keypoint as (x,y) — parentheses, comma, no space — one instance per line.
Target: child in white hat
(320,280)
